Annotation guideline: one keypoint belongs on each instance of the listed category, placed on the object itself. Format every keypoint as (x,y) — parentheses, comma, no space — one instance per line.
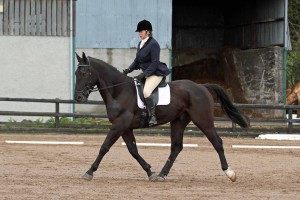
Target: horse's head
(84,79)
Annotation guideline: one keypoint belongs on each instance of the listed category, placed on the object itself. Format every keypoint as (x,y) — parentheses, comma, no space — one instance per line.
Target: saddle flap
(161,94)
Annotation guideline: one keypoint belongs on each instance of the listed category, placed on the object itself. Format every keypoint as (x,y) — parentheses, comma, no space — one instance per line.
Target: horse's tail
(232,112)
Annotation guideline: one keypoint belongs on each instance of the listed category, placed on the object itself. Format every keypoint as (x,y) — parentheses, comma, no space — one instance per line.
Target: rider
(147,59)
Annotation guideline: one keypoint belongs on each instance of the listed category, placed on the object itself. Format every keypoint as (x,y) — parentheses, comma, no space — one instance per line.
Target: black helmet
(144,25)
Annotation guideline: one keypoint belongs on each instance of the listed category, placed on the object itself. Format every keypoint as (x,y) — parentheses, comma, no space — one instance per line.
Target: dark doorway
(197,41)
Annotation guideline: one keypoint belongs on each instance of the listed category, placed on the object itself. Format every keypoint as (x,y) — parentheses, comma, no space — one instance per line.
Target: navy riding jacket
(147,59)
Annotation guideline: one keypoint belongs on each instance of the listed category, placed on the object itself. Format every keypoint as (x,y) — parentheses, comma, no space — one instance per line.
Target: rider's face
(143,34)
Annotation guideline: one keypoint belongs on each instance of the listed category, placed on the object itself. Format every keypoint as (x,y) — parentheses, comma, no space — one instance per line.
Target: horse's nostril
(78,98)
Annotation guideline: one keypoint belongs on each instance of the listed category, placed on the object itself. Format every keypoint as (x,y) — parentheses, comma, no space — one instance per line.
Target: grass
(95,125)
(50,123)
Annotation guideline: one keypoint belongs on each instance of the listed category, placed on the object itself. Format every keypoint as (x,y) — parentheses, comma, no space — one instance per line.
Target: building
(238,44)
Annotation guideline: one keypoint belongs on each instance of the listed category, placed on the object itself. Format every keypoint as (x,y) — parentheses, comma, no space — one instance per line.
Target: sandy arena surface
(54,171)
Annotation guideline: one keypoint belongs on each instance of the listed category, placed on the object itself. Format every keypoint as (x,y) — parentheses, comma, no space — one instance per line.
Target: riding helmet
(144,25)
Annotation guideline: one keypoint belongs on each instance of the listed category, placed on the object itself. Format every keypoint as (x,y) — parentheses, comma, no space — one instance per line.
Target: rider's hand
(140,76)
(126,71)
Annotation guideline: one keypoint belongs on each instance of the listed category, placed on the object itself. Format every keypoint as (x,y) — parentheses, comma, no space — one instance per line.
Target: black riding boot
(151,109)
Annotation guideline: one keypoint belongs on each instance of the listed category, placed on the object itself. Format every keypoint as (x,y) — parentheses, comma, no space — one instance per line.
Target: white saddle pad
(164,97)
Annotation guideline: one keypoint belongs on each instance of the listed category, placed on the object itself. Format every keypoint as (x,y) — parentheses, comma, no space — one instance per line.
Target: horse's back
(187,85)
(190,91)
(192,99)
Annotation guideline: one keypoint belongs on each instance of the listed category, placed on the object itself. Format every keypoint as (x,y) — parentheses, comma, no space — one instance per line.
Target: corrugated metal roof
(112,23)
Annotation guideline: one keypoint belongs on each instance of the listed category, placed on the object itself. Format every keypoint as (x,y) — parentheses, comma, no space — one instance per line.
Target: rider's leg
(151,110)
(150,84)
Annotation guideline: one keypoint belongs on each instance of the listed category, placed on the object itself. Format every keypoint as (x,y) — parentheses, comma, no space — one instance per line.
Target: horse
(293,94)
(190,102)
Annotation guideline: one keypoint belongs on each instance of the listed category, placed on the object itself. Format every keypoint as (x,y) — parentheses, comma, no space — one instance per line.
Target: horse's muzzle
(80,98)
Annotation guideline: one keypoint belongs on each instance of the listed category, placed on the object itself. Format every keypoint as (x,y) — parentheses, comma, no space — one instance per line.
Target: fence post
(290,123)
(56,113)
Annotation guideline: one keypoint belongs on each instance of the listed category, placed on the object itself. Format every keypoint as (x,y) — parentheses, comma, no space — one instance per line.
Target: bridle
(89,88)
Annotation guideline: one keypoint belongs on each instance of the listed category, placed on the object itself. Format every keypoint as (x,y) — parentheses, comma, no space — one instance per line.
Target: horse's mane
(105,64)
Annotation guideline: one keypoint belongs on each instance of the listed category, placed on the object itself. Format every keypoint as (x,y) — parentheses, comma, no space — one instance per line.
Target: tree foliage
(293,61)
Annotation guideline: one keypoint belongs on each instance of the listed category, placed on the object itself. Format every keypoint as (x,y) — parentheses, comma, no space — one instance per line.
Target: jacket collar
(147,42)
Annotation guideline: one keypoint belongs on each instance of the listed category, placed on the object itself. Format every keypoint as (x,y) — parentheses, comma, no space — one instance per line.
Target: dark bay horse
(189,102)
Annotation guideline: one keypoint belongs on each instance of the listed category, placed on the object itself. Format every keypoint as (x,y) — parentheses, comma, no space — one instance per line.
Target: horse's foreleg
(129,139)
(176,148)
(110,139)
(177,130)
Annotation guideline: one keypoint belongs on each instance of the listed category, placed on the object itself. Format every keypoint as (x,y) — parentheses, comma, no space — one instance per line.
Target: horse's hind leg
(206,125)
(177,130)
(129,139)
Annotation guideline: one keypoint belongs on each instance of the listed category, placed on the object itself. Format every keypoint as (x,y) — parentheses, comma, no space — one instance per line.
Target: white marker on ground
(42,142)
(264,147)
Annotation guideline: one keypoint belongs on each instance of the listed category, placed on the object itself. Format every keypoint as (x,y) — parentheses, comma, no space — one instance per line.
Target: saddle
(161,96)
(140,88)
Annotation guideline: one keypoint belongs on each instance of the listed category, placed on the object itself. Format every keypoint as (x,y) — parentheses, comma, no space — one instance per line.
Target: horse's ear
(84,58)
(78,57)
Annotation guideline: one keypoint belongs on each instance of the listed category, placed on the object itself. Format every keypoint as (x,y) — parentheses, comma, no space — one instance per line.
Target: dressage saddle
(140,86)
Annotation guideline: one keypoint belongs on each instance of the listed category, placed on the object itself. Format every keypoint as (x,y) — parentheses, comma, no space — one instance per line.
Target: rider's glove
(126,71)
(140,76)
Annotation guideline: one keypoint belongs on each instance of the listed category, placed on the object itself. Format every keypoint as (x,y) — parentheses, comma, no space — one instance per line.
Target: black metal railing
(283,124)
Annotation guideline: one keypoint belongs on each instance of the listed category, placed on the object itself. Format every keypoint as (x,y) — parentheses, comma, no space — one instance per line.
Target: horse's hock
(252,76)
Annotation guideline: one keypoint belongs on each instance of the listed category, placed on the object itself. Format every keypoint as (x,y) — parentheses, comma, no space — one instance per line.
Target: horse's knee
(219,147)
(177,148)
(104,149)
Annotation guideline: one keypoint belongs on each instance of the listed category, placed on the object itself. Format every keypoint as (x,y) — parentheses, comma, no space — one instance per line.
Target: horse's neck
(108,80)
(108,90)
(105,96)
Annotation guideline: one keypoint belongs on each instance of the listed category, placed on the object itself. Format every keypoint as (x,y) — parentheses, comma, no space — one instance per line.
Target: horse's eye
(84,73)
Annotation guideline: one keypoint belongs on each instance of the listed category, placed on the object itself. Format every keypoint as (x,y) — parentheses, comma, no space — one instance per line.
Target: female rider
(147,59)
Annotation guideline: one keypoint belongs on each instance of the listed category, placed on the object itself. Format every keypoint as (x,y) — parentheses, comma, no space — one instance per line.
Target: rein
(95,88)
(111,86)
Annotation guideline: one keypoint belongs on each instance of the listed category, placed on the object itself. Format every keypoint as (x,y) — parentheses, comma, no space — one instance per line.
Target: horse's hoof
(156,178)
(230,174)
(87,177)
(153,176)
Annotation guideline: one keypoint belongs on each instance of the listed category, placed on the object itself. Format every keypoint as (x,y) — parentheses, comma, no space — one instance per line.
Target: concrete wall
(256,76)
(34,67)
(119,58)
